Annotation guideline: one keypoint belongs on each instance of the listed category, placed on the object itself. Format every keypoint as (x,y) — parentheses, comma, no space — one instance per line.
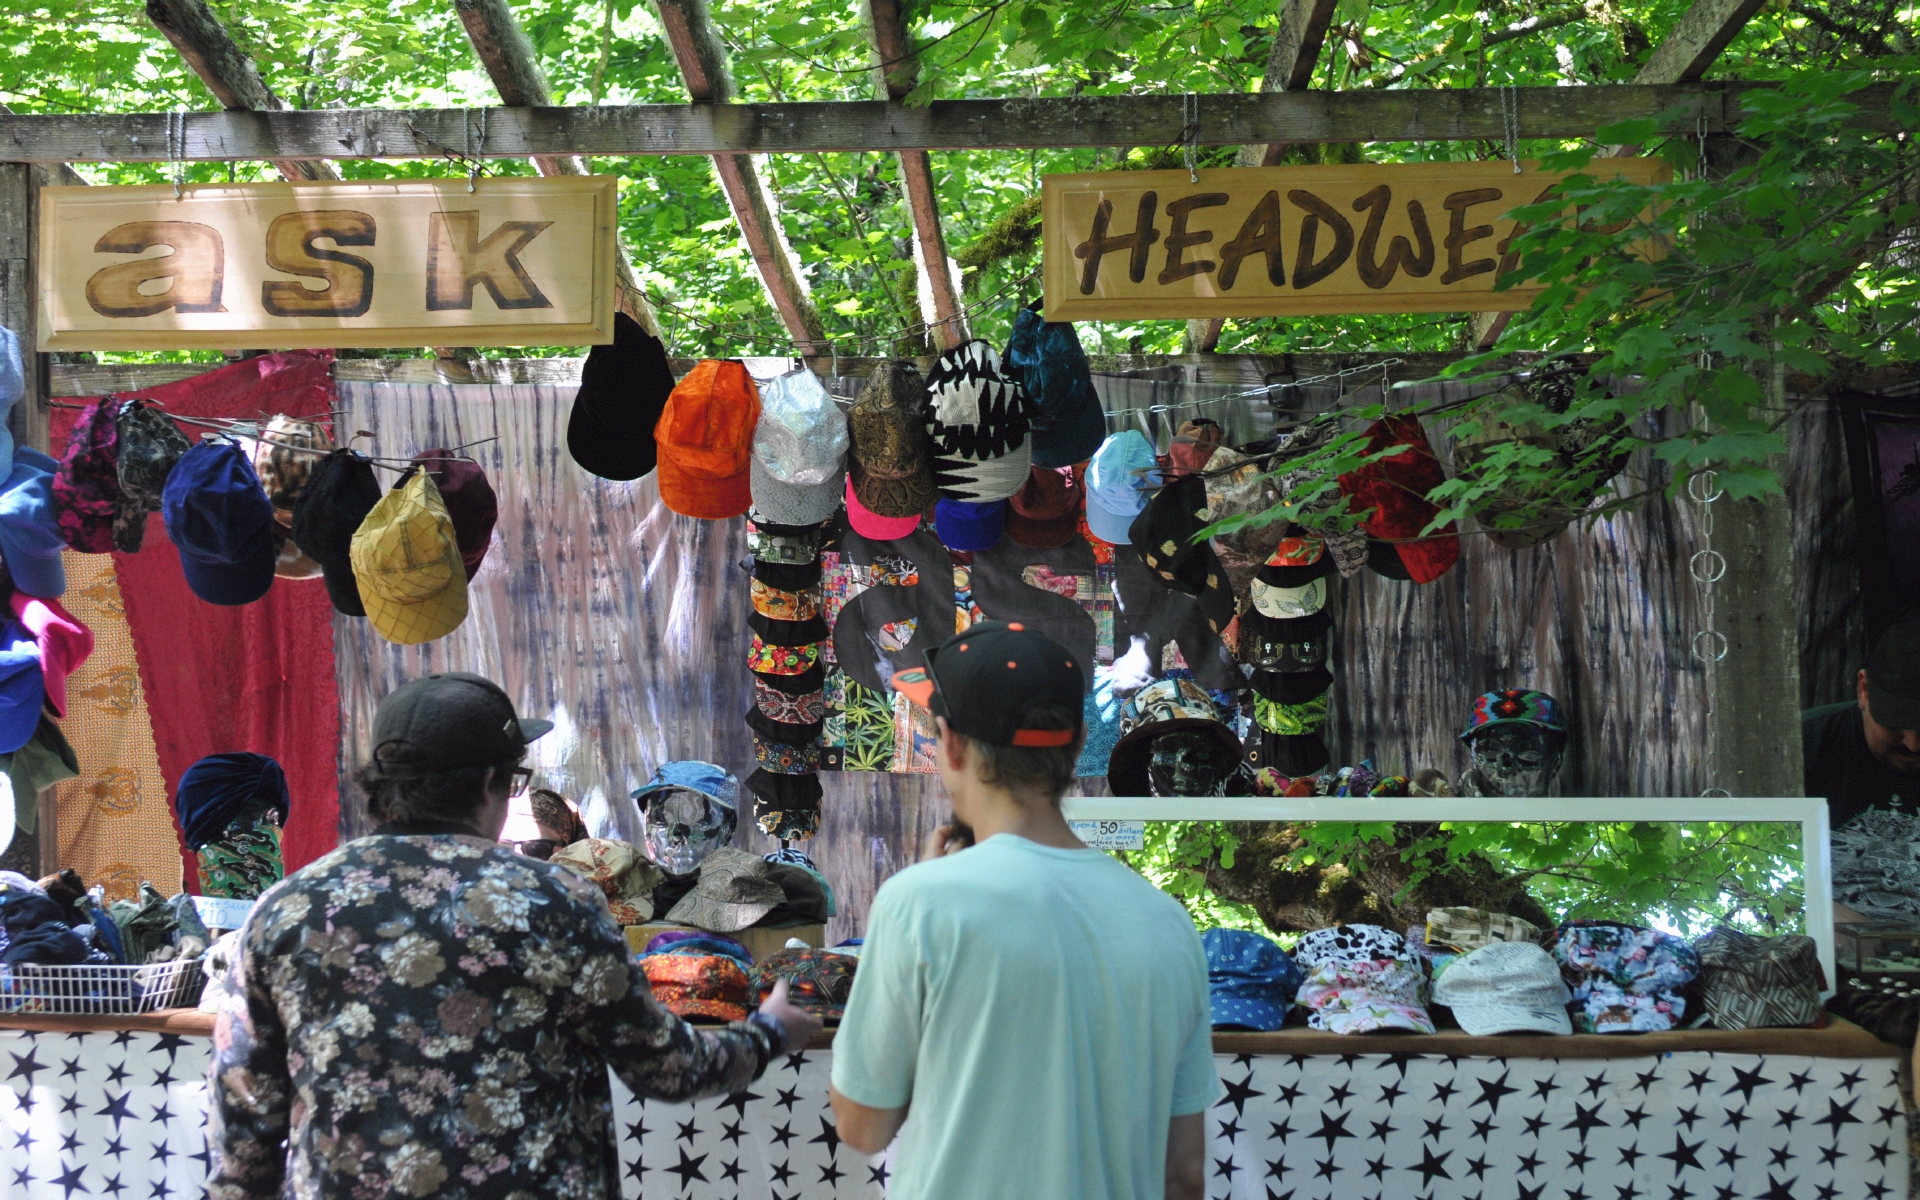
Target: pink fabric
(64,643)
(869,524)
(258,677)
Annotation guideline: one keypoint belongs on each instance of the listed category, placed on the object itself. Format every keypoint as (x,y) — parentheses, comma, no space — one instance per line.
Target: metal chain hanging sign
(1290,241)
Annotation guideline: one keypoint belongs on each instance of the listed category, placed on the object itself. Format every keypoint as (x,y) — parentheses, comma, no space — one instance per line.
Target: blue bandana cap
(1250,981)
(710,780)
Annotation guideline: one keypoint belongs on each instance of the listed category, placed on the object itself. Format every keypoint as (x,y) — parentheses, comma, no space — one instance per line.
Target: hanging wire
(1190,134)
(1510,110)
(238,427)
(1265,390)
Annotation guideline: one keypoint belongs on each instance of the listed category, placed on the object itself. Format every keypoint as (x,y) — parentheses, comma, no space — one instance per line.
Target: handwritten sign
(1111,835)
(1291,241)
(515,262)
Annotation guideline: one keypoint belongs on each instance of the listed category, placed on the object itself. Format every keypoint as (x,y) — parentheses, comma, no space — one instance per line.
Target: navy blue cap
(1250,980)
(221,521)
(965,525)
(23,688)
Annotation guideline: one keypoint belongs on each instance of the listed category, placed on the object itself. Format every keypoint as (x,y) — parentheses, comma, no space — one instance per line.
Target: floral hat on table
(1361,979)
(1625,979)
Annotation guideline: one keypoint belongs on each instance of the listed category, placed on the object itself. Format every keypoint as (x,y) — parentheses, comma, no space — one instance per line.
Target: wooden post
(896,70)
(508,57)
(1296,48)
(703,66)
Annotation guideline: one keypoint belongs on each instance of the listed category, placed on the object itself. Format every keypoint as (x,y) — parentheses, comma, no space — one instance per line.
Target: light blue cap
(715,782)
(1117,479)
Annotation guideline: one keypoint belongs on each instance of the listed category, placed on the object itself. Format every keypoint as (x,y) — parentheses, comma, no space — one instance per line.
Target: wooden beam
(228,73)
(509,59)
(896,71)
(1296,49)
(703,66)
(1702,33)
(1439,115)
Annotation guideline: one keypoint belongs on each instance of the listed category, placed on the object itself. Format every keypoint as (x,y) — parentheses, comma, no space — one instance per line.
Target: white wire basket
(87,990)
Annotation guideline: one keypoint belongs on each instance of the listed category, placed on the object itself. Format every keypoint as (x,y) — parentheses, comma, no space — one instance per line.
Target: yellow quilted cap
(407,564)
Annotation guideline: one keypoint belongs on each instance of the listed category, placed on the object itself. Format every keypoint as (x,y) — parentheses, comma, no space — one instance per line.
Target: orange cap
(705,437)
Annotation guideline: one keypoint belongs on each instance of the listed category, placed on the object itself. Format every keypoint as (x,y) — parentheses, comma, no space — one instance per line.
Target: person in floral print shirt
(425,1012)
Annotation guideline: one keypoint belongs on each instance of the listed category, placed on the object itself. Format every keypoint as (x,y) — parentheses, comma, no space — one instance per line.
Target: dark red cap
(469,499)
(1045,514)
(968,678)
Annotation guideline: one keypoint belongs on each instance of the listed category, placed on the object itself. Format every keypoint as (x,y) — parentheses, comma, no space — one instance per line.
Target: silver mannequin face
(1515,760)
(1183,765)
(683,827)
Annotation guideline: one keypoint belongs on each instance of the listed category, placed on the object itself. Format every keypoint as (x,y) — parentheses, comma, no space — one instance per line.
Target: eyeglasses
(540,848)
(522,778)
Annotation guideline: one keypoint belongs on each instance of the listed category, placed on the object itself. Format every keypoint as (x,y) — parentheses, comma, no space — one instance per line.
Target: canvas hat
(1472,928)
(1164,706)
(1118,479)
(1753,982)
(470,502)
(30,540)
(978,426)
(970,678)
(439,723)
(340,492)
(624,386)
(887,425)
(699,985)
(86,486)
(1250,981)
(22,687)
(1514,706)
(1047,358)
(869,524)
(735,890)
(818,981)
(1166,537)
(219,519)
(149,446)
(969,527)
(1506,987)
(63,642)
(1395,489)
(1893,677)
(407,564)
(705,436)
(1625,979)
(1045,514)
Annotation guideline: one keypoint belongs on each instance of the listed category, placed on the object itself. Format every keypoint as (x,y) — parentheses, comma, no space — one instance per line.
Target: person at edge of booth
(425,1012)
(1030,1016)
(1864,753)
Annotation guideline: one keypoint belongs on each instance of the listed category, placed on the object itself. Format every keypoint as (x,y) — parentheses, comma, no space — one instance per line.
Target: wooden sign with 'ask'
(1291,241)
(514,262)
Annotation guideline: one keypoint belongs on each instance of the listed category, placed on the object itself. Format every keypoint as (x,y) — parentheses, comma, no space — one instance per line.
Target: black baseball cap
(339,494)
(623,390)
(444,722)
(1893,677)
(970,678)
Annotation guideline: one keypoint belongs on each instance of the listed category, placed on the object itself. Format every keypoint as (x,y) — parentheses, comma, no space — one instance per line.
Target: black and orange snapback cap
(985,680)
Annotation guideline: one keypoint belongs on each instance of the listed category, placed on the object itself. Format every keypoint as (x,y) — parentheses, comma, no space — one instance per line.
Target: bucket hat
(818,981)
(624,876)
(735,890)
(624,386)
(887,425)
(86,486)
(1250,981)
(470,502)
(1166,535)
(1118,481)
(1505,987)
(22,687)
(63,642)
(1045,514)
(688,985)
(219,519)
(1164,706)
(1047,358)
(705,436)
(1625,979)
(407,565)
(1750,982)
(969,527)
(869,524)
(978,426)
(149,446)
(339,494)
(30,540)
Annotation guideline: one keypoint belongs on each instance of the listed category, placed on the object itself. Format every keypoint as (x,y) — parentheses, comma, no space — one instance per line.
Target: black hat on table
(339,494)
(623,390)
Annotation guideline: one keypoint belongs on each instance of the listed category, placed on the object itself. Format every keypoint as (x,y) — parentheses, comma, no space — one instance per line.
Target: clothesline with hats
(253,431)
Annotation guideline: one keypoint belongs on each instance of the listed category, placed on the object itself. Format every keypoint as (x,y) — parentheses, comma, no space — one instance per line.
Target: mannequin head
(1517,759)
(683,827)
(1185,763)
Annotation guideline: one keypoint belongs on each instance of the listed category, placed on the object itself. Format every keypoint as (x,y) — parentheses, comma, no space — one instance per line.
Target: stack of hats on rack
(797,469)
(1283,637)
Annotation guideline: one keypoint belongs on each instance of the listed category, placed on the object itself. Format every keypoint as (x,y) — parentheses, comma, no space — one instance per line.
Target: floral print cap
(1625,979)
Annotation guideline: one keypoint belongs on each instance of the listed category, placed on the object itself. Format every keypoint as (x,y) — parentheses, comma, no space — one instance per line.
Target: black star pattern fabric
(100,1116)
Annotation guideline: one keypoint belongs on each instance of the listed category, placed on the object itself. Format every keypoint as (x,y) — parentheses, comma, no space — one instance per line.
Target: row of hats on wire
(247,504)
(1496,974)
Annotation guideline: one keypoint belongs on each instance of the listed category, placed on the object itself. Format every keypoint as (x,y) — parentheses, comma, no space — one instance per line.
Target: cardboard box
(760,942)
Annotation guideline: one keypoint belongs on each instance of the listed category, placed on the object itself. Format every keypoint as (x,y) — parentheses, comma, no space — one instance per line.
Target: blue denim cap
(1250,980)
(23,689)
(220,520)
(1116,481)
(963,525)
(712,781)
(30,539)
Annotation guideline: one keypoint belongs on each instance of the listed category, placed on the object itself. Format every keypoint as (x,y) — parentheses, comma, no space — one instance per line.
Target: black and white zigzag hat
(979,426)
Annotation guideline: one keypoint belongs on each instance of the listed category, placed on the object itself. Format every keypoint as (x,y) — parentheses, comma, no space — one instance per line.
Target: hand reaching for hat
(799,1024)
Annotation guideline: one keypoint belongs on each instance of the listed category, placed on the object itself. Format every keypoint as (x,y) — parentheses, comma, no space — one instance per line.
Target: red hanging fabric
(258,677)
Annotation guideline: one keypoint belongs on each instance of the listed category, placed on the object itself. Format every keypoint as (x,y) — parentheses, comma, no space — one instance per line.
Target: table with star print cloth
(88,1109)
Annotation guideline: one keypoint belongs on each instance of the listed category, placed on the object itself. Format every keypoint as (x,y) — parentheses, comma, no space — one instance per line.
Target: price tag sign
(220,912)
(1111,835)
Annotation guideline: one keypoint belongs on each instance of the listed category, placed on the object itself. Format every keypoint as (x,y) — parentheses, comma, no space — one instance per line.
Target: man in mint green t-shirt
(1029,1015)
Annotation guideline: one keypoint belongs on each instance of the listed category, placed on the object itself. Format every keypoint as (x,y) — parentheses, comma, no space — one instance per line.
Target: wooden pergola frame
(36,151)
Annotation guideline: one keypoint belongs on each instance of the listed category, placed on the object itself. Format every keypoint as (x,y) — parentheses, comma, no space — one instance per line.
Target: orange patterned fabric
(115,827)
